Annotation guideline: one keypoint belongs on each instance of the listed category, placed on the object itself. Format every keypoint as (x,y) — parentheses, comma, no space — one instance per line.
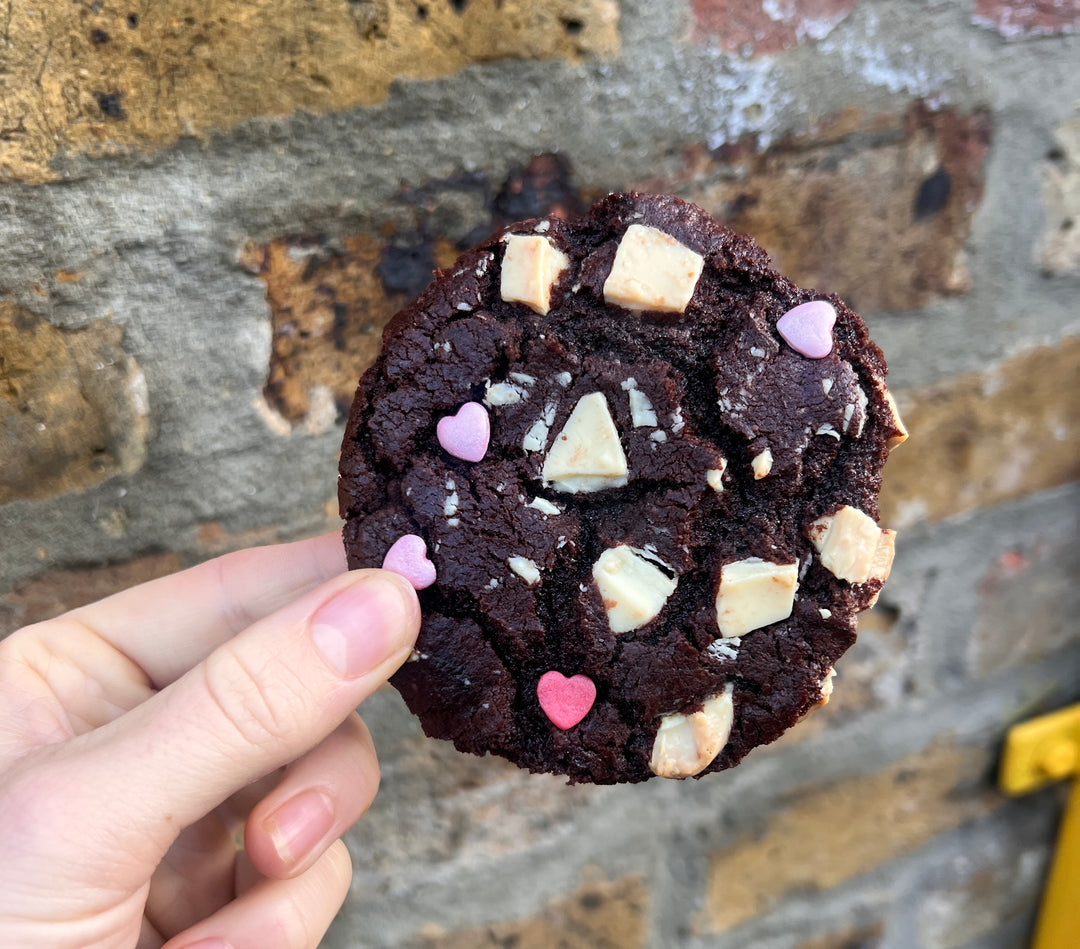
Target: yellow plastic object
(1040,751)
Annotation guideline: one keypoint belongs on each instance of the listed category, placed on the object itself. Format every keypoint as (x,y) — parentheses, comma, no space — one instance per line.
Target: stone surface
(833,833)
(103,78)
(984,438)
(877,210)
(850,937)
(600,914)
(1059,252)
(761,27)
(1015,19)
(74,406)
(1028,604)
(58,591)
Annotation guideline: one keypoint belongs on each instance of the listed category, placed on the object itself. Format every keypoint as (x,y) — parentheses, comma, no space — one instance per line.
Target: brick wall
(209,210)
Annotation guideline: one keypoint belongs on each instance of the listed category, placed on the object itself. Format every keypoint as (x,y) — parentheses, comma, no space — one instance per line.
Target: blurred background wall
(209,209)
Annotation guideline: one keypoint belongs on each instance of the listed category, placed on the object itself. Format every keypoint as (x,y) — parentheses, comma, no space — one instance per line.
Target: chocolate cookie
(634,473)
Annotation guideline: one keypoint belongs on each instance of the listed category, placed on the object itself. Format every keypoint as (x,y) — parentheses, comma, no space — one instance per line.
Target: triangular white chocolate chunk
(587,454)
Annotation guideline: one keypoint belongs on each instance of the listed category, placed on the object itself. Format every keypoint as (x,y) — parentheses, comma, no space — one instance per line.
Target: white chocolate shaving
(526,569)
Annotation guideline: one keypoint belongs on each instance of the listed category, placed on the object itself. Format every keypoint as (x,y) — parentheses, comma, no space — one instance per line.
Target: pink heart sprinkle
(807,328)
(565,701)
(466,435)
(408,557)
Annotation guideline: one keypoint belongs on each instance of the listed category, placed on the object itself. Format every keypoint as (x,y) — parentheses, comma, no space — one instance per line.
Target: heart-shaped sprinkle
(565,701)
(408,557)
(466,435)
(807,328)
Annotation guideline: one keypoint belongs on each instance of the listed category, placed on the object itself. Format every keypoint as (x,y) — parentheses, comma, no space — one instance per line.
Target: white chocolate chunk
(526,569)
(714,477)
(762,464)
(652,271)
(686,745)
(753,593)
(564,379)
(851,546)
(530,266)
(901,435)
(587,454)
(634,589)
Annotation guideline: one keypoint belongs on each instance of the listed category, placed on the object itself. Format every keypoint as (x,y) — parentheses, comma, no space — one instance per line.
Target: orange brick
(73,406)
(833,833)
(876,210)
(96,78)
(600,914)
(983,438)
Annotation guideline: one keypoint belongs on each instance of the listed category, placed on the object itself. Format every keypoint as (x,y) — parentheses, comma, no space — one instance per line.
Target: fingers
(169,625)
(319,797)
(195,879)
(261,700)
(278,914)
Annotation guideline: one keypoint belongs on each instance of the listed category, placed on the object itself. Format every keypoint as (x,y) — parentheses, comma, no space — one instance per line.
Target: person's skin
(144,736)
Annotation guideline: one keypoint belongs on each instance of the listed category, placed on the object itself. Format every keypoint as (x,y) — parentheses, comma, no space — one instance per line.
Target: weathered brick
(328,308)
(841,830)
(850,937)
(99,78)
(983,438)
(58,591)
(330,298)
(760,27)
(73,406)
(878,211)
(600,914)
(1059,253)
(874,673)
(1028,604)
(1015,19)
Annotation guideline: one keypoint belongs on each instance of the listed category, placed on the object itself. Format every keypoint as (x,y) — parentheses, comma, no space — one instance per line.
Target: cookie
(633,473)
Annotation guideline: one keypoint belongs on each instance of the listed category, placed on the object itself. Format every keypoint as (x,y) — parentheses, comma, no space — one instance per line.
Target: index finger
(169,625)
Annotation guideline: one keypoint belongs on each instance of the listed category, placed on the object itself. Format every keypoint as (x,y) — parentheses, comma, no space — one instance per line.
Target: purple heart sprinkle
(807,328)
(466,434)
(408,557)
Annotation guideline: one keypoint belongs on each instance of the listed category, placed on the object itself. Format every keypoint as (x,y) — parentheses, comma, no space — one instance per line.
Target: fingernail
(209,944)
(362,626)
(299,824)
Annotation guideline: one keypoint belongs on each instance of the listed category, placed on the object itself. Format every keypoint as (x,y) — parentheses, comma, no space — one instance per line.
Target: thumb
(256,703)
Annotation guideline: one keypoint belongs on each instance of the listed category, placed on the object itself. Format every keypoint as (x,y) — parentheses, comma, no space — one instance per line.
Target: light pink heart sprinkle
(807,328)
(565,701)
(466,435)
(408,557)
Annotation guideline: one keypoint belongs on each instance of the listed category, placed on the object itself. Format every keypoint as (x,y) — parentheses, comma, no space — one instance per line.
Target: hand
(142,735)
